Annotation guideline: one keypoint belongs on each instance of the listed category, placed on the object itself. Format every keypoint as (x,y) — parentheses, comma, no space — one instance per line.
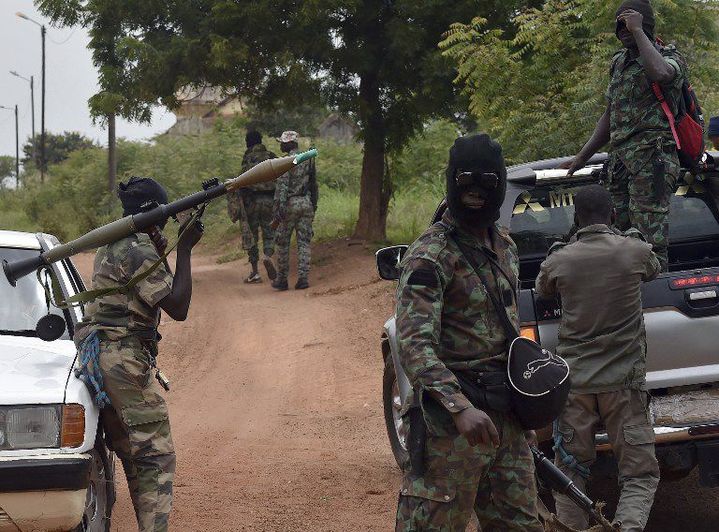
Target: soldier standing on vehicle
(253,207)
(713,131)
(464,456)
(643,164)
(136,422)
(295,205)
(598,276)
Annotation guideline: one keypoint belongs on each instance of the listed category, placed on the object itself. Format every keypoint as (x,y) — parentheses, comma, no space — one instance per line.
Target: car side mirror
(388,260)
(50,327)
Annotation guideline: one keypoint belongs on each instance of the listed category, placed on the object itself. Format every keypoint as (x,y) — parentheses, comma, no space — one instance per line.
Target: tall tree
(374,59)
(58,147)
(540,88)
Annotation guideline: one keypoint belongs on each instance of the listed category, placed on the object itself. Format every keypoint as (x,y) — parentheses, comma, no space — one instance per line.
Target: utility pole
(17,145)
(32,106)
(43,160)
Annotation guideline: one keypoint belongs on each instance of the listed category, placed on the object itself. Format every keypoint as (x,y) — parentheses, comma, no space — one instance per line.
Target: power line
(62,42)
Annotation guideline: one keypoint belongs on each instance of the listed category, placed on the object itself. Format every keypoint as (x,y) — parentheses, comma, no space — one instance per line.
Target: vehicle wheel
(100,494)
(397,428)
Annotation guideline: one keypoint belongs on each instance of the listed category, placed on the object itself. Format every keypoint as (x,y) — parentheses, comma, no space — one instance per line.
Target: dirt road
(276,406)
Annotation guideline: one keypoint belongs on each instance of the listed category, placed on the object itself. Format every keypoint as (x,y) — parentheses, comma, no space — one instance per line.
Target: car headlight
(30,427)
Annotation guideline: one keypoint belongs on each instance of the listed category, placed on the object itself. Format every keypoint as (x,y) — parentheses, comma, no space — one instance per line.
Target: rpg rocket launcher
(154,215)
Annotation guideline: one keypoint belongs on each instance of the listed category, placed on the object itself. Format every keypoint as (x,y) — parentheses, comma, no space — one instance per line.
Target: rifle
(114,231)
(553,477)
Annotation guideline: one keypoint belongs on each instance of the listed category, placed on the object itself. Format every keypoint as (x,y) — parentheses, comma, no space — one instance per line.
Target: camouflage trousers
(498,484)
(299,219)
(259,216)
(641,183)
(137,426)
(625,414)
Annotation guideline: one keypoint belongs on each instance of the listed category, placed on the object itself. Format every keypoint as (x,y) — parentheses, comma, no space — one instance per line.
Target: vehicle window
(23,305)
(545,215)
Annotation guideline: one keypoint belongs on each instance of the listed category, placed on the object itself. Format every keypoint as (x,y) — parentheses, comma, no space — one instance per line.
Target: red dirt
(276,401)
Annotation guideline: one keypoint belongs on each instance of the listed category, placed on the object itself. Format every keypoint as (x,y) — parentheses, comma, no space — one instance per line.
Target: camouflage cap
(288,136)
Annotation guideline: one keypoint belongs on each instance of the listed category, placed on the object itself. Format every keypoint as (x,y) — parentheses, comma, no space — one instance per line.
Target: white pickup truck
(55,472)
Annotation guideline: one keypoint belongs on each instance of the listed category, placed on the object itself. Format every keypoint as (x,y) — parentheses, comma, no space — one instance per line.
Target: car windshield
(23,305)
(545,215)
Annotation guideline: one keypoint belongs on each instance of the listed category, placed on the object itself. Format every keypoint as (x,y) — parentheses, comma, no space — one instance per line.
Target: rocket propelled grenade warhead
(137,223)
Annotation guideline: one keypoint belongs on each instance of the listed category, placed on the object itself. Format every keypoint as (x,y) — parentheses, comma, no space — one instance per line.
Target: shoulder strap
(509,328)
(668,112)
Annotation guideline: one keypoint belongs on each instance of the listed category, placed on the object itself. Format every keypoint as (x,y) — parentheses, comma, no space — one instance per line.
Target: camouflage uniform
(293,198)
(257,200)
(643,166)
(137,422)
(445,322)
(604,343)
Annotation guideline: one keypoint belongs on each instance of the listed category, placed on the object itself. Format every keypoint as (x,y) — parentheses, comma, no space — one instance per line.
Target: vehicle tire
(100,495)
(397,427)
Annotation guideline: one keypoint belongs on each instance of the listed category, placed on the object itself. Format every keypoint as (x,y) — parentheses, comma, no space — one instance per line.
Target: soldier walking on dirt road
(598,276)
(295,205)
(124,327)
(464,456)
(643,164)
(252,206)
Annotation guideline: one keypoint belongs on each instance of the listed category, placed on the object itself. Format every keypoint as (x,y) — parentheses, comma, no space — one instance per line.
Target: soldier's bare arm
(177,302)
(599,138)
(655,66)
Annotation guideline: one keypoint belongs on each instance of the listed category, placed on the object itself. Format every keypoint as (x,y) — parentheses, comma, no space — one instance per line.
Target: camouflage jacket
(445,319)
(635,115)
(300,181)
(598,275)
(122,315)
(254,156)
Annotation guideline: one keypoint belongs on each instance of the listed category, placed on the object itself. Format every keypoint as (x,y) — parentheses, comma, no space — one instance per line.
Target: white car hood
(33,371)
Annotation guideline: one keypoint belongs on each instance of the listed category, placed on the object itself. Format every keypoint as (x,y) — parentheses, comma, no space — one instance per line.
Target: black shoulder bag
(538,380)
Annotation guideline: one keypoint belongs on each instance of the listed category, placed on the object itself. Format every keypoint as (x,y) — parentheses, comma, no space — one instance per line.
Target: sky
(71,80)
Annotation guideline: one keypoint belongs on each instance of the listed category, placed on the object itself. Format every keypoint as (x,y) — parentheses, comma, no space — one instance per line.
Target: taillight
(694,281)
(529,331)
(73,425)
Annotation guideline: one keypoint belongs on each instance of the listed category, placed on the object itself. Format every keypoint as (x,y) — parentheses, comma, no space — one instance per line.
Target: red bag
(687,128)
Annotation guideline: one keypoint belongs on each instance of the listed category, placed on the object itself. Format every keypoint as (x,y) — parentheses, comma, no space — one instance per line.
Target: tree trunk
(375,186)
(111,154)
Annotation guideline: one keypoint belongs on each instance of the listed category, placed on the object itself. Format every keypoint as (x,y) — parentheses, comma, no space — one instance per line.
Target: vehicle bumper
(43,493)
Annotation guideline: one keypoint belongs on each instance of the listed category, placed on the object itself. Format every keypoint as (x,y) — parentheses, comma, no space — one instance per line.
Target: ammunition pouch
(486,390)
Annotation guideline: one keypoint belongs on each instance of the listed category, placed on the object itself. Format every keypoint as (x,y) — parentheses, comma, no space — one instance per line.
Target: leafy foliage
(540,89)
(58,147)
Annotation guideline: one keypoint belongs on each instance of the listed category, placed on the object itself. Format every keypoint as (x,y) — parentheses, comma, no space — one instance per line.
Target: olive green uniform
(446,322)
(643,165)
(598,276)
(136,423)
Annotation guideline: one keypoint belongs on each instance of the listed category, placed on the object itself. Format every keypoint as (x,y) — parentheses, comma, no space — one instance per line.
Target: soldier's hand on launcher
(476,426)
(192,236)
(158,239)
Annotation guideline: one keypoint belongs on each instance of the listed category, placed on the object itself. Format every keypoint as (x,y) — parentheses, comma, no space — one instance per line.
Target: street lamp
(17,147)
(32,100)
(42,105)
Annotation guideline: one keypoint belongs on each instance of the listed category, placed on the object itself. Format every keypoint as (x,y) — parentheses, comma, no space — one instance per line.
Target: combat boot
(279,284)
(270,267)
(302,283)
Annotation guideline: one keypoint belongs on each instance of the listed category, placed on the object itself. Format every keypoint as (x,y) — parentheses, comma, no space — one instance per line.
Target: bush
(74,198)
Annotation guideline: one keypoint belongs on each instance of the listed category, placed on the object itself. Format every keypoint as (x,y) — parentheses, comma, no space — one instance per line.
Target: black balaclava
(476,153)
(643,7)
(253,138)
(137,192)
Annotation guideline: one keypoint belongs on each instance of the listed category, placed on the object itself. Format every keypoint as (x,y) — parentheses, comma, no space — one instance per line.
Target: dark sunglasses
(486,180)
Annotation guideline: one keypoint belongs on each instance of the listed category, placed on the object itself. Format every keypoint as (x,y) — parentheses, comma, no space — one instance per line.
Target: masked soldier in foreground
(643,164)
(295,206)
(464,456)
(598,276)
(252,206)
(136,422)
